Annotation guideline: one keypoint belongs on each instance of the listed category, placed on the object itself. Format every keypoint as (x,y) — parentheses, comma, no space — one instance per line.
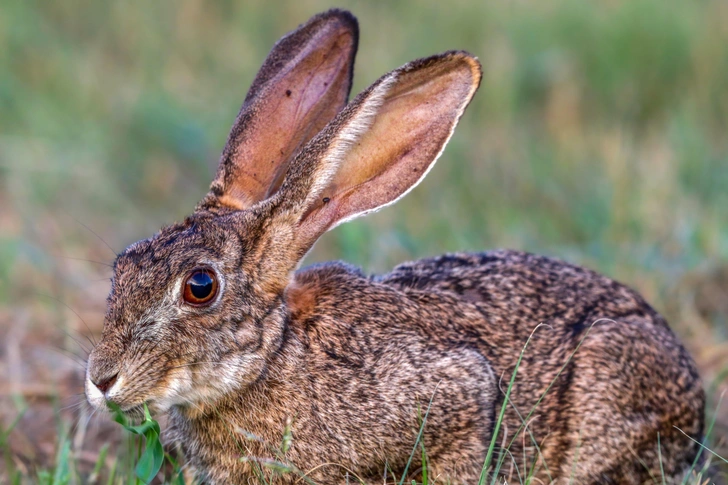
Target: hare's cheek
(173,390)
(248,338)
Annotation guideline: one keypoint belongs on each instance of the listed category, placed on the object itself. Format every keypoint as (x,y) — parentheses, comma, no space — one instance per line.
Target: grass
(597,136)
(150,461)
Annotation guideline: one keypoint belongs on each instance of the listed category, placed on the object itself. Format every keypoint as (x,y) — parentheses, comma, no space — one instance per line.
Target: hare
(211,322)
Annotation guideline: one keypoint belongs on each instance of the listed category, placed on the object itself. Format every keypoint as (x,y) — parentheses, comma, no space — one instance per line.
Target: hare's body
(209,320)
(362,357)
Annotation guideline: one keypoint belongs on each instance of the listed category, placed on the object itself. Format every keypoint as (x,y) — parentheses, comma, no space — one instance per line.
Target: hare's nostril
(105,383)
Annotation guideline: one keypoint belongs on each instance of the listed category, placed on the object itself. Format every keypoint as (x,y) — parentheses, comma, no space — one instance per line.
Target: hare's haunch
(211,322)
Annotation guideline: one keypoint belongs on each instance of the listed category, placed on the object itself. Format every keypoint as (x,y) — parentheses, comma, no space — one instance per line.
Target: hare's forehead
(162,259)
(145,283)
(153,262)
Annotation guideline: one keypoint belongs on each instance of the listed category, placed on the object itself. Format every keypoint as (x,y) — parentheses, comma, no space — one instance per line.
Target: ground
(598,136)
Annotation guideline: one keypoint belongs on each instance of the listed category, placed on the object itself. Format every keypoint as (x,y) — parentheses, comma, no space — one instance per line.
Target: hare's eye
(200,287)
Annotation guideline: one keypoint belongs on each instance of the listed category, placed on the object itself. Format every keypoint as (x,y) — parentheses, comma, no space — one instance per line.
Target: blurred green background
(599,135)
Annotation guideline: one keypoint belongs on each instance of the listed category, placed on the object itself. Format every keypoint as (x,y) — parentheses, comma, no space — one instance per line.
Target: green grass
(598,136)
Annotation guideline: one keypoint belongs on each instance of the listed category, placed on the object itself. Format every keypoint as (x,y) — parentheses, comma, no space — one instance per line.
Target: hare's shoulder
(338,304)
(341,292)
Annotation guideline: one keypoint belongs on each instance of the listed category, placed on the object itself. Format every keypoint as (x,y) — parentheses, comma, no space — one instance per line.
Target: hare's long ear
(380,146)
(304,82)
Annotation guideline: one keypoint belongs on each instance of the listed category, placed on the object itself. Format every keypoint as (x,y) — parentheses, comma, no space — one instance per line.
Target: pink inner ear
(286,112)
(323,76)
(308,108)
(411,127)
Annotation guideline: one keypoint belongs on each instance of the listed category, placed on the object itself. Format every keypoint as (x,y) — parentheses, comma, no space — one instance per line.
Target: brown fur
(351,362)
(301,298)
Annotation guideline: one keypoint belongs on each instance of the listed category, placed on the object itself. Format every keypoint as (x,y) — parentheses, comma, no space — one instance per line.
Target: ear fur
(303,83)
(380,146)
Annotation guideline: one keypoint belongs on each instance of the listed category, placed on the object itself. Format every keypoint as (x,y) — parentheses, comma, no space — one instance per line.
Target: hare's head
(196,311)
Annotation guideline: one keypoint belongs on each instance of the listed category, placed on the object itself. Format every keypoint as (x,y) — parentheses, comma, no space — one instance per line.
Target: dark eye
(200,287)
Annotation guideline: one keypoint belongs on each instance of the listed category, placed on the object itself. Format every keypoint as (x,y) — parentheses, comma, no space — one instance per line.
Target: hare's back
(514,292)
(630,378)
(526,286)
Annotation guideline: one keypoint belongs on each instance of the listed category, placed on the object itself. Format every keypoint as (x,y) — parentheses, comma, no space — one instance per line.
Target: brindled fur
(350,363)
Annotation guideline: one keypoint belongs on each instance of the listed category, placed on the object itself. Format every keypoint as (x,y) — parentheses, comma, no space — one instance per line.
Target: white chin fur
(94,396)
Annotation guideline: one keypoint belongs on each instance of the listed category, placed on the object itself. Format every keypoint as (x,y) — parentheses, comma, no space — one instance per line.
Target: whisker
(89,261)
(71,407)
(92,232)
(88,337)
(77,359)
(197,363)
(79,433)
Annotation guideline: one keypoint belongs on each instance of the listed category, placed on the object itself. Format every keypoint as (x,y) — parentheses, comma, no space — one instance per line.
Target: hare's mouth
(133,412)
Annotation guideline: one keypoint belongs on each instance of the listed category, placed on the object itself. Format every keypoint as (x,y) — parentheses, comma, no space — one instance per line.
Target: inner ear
(304,82)
(400,127)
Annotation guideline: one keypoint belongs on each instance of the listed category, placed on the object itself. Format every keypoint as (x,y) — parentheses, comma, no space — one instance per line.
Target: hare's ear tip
(451,61)
(473,70)
(467,58)
(343,16)
(339,13)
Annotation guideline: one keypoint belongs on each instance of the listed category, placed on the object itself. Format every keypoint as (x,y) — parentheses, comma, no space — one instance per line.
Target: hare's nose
(105,383)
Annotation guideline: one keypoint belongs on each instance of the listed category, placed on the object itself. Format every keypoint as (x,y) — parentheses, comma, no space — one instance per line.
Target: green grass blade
(659,458)
(419,436)
(494,438)
(99,464)
(530,473)
(702,445)
(112,473)
(707,435)
(4,437)
(576,459)
(425,480)
(62,475)
(553,381)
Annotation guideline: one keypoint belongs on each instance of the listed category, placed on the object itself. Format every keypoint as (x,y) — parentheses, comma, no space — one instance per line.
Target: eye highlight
(200,287)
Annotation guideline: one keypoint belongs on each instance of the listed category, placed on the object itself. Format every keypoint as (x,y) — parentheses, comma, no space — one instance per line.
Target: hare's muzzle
(104,383)
(102,378)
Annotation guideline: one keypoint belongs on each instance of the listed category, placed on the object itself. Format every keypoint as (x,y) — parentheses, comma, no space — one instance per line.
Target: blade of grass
(518,472)
(419,435)
(553,381)
(576,458)
(702,445)
(99,464)
(425,480)
(112,473)
(530,473)
(494,437)
(61,475)
(707,435)
(659,458)
(4,436)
